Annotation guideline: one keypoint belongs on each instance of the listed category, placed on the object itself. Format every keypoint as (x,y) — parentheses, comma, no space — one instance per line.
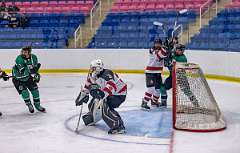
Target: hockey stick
(79,119)
(80,113)
(179,13)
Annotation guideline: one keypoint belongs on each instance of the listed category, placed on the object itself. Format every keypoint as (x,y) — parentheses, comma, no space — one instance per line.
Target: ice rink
(53,132)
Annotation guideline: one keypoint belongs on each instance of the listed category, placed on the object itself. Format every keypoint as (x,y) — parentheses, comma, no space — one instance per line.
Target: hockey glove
(35,68)
(36,78)
(5,76)
(96,92)
(83,97)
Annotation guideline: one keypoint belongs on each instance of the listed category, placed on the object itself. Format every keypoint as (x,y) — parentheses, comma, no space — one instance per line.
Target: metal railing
(78,34)
(97,6)
(203,11)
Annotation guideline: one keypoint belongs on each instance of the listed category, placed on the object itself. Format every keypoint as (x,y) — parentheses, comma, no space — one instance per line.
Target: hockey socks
(36,99)
(26,98)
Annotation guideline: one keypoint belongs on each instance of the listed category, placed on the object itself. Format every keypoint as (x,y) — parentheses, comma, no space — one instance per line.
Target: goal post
(194,106)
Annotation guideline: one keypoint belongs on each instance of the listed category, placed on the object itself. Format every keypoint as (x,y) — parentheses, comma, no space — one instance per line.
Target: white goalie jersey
(109,82)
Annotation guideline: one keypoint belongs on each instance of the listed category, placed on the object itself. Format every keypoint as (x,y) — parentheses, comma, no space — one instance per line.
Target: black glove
(36,77)
(82,98)
(5,76)
(36,68)
(96,92)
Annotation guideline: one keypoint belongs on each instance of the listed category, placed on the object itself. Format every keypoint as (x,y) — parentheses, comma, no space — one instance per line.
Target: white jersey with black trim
(109,82)
(156,62)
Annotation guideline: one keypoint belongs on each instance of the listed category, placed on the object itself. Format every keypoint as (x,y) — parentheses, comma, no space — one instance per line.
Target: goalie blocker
(108,92)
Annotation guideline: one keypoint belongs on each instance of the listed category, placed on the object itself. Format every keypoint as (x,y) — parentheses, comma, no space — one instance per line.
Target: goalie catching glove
(83,97)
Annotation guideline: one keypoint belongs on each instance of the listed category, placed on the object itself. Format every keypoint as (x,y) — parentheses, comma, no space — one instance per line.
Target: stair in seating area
(194,28)
(87,30)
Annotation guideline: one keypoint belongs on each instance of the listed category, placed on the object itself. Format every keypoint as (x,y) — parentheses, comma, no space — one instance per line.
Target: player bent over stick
(108,92)
(5,77)
(153,76)
(26,76)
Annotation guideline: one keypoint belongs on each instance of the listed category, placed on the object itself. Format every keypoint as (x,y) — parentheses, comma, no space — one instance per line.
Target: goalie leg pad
(111,116)
(95,107)
(88,119)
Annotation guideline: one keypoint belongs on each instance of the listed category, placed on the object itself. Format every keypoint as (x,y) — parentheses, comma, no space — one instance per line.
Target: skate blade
(145,109)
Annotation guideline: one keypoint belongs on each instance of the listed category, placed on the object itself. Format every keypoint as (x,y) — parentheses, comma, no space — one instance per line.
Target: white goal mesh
(194,107)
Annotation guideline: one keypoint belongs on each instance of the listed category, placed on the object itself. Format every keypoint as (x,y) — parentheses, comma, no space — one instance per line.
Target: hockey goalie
(108,92)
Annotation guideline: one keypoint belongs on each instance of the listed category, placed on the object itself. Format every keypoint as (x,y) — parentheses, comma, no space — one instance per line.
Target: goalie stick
(79,119)
(80,113)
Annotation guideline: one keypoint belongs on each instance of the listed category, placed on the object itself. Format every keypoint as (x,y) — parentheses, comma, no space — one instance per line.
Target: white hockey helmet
(96,66)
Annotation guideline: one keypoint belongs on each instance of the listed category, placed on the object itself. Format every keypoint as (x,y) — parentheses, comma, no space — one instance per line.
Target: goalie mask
(96,66)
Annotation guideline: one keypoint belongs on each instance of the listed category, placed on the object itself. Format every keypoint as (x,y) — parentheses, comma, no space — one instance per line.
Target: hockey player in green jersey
(177,55)
(26,76)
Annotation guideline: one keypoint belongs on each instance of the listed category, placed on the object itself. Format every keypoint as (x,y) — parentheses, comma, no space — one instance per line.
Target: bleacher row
(53,6)
(46,30)
(51,23)
(135,29)
(155,5)
(222,33)
(128,25)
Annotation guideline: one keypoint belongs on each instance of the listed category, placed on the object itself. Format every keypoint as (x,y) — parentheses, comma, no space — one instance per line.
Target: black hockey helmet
(158,40)
(180,47)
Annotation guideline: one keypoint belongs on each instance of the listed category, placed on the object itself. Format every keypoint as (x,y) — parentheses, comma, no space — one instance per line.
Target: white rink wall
(212,62)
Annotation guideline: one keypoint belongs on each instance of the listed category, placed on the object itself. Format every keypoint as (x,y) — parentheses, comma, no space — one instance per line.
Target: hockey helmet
(158,40)
(180,47)
(96,66)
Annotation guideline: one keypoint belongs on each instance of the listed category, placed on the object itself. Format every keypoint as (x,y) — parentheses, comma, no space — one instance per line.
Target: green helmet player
(26,76)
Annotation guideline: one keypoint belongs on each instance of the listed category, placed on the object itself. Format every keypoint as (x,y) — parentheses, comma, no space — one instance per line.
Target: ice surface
(53,132)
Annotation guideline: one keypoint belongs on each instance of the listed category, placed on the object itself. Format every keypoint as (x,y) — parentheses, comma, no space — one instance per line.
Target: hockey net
(194,107)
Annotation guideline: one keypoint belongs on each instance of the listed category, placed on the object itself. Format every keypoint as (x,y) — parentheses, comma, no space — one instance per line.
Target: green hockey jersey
(24,67)
(180,58)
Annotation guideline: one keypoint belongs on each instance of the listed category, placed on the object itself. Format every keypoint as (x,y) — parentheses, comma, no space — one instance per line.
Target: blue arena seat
(222,33)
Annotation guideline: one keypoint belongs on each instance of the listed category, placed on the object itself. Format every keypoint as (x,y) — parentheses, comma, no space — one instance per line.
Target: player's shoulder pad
(34,56)
(19,59)
(107,74)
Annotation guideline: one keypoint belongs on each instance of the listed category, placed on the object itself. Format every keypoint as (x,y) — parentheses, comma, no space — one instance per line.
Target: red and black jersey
(109,82)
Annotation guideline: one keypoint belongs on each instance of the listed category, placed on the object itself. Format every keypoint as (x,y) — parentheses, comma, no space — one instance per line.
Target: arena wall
(216,64)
